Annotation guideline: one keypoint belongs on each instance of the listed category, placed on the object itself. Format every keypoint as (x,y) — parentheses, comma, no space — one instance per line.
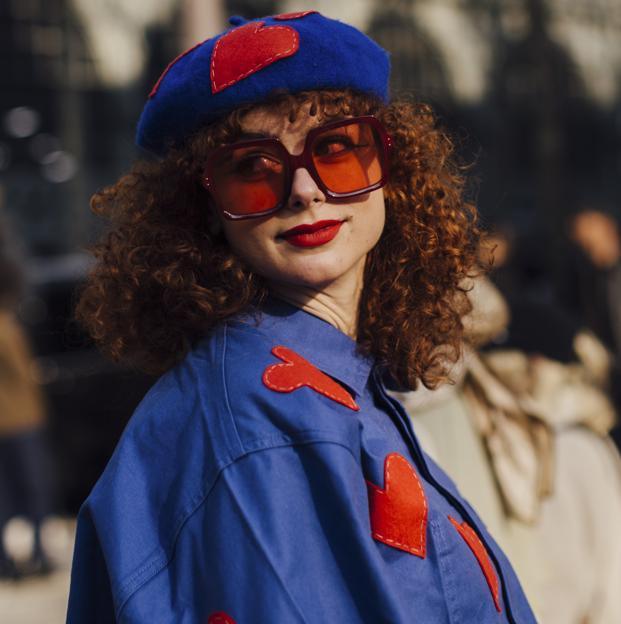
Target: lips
(312,234)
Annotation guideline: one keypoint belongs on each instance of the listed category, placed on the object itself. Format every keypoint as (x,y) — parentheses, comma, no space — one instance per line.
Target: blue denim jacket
(251,486)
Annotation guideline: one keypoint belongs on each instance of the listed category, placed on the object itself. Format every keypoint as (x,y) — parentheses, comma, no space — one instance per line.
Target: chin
(316,275)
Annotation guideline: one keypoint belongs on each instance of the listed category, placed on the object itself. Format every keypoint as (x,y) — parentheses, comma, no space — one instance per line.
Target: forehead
(277,121)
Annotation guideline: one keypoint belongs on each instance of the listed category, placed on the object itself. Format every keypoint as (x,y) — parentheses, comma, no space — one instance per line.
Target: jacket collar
(324,346)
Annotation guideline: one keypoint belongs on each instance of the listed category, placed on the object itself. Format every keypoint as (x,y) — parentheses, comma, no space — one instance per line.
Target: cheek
(249,242)
(374,219)
(240,243)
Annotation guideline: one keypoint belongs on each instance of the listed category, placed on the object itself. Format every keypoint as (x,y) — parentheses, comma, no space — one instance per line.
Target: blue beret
(246,64)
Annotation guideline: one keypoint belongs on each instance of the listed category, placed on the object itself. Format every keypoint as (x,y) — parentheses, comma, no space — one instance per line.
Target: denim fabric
(227,496)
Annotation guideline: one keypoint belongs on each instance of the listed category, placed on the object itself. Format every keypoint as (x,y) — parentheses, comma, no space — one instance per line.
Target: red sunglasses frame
(300,161)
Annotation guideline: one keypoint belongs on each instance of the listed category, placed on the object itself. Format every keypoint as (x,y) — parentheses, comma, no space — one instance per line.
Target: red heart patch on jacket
(297,372)
(247,49)
(399,511)
(220,618)
(479,551)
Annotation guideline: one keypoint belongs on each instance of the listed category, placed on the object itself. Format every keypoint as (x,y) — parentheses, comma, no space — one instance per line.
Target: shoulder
(198,422)
(218,405)
(277,393)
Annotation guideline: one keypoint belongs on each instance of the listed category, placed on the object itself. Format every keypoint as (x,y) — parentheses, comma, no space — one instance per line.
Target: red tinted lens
(348,158)
(249,179)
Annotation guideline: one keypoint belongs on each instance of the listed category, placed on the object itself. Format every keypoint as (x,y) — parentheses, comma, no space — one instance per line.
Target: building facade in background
(532,86)
(530,90)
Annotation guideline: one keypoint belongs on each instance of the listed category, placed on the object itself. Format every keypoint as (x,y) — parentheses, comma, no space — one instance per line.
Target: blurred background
(530,90)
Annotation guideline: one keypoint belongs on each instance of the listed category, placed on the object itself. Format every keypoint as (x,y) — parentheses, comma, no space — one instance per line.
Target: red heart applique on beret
(247,49)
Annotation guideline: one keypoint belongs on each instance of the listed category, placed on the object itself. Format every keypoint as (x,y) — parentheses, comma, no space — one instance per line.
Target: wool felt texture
(296,372)
(245,65)
(399,511)
(247,50)
(477,548)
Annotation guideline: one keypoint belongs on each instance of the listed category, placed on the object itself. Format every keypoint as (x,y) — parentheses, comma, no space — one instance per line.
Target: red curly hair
(166,278)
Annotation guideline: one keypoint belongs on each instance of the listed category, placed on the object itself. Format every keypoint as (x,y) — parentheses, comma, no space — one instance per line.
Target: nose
(304,191)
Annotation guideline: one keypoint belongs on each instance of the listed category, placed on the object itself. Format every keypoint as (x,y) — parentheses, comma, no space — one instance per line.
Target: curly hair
(165,277)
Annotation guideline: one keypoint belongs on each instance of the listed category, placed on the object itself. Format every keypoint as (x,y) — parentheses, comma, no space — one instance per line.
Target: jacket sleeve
(90,598)
(282,537)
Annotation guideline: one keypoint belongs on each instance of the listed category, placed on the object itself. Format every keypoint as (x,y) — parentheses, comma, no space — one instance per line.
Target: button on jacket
(269,479)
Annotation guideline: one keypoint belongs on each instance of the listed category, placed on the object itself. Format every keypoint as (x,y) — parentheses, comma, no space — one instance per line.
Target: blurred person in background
(25,464)
(590,284)
(517,256)
(523,430)
(585,293)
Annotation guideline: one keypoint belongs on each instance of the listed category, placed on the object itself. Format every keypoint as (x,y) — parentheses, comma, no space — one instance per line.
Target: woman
(266,264)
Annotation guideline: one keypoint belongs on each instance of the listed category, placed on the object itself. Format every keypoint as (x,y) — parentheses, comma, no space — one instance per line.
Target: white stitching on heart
(259,26)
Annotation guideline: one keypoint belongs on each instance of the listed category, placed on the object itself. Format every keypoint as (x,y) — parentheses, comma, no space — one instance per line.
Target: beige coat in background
(525,440)
(21,405)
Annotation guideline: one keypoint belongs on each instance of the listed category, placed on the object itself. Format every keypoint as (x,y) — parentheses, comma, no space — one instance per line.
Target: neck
(337,303)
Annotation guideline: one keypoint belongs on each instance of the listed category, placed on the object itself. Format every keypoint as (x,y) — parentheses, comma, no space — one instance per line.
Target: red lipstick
(312,234)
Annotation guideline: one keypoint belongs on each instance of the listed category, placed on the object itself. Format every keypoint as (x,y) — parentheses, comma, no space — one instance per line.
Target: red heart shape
(479,551)
(247,49)
(297,372)
(399,511)
(220,618)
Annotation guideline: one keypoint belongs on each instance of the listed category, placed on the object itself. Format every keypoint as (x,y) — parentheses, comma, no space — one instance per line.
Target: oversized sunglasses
(253,178)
